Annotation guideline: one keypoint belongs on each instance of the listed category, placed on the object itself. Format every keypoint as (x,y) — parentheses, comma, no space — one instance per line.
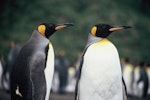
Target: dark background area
(20,17)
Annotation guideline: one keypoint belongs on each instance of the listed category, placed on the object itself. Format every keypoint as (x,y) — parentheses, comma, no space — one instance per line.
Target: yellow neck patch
(103,41)
(93,30)
(41,29)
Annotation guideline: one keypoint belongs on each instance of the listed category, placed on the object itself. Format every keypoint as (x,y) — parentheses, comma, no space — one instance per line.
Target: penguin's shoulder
(39,56)
(102,46)
(38,59)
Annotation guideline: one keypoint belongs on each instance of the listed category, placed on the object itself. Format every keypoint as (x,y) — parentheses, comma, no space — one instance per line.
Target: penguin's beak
(118,28)
(61,26)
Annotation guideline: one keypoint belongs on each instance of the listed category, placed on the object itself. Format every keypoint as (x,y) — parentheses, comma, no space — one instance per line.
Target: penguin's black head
(104,30)
(47,29)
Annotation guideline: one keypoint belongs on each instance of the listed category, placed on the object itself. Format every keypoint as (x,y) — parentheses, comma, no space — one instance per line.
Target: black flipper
(124,90)
(79,74)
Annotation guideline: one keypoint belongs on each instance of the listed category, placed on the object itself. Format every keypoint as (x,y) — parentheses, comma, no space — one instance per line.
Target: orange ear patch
(93,30)
(41,29)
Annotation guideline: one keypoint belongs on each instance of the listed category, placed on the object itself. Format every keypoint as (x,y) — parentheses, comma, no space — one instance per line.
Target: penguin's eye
(104,28)
(51,25)
(93,31)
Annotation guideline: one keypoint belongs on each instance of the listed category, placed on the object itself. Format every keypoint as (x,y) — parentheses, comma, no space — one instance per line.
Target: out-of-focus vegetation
(20,17)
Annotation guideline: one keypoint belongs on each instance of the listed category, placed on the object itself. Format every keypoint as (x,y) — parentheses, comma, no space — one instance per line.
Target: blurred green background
(20,17)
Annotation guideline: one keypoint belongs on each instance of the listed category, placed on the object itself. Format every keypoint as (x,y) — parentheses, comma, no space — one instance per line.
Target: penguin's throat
(103,41)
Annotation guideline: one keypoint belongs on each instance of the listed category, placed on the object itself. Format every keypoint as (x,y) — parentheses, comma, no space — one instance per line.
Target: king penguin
(33,70)
(100,76)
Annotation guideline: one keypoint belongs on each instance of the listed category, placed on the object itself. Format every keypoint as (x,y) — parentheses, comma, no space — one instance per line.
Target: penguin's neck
(103,41)
(92,39)
(38,38)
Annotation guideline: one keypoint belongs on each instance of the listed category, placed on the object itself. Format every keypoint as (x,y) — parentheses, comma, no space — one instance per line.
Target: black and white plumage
(100,76)
(33,70)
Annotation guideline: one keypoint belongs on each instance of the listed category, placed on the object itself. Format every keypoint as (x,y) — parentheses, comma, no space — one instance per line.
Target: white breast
(49,70)
(101,77)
